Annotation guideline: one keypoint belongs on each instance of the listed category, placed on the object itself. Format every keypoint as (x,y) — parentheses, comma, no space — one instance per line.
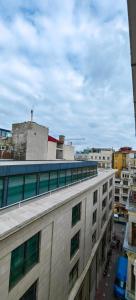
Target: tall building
(55,229)
(103,156)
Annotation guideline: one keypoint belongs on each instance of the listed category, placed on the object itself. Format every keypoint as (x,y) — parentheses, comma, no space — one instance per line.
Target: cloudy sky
(69,61)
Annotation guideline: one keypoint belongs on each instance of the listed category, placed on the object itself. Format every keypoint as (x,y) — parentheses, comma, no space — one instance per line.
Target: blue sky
(69,61)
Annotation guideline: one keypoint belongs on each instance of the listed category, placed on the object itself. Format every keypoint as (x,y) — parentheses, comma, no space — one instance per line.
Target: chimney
(62,138)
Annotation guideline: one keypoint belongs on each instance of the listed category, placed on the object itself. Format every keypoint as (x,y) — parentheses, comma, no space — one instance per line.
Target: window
(117,191)
(110,194)
(125,191)
(111,181)
(31,293)
(75,244)
(53,183)
(116,198)
(105,186)
(73,275)
(104,203)
(108,157)
(110,206)
(103,157)
(132,279)
(15,189)
(76,214)
(74,175)
(103,219)
(134,234)
(68,176)
(94,217)
(99,157)
(95,197)
(62,178)
(30,186)
(124,199)
(1,191)
(125,182)
(23,258)
(44,183)
(93,238)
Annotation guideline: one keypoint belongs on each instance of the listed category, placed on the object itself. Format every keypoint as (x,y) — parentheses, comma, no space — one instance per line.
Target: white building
(102,155)
(54,246)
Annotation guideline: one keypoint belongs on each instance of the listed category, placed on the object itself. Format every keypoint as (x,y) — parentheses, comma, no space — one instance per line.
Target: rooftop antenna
(32,113)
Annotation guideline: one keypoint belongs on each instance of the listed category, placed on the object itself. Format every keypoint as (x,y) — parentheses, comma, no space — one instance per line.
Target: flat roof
(26,213)
(26,167)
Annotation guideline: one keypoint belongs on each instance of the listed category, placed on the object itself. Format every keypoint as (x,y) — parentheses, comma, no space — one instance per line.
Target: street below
(105,290)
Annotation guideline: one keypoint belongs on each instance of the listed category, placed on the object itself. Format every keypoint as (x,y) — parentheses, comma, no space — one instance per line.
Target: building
(54,243)
(57,149)
(4,133)
(102,155)
(30,141)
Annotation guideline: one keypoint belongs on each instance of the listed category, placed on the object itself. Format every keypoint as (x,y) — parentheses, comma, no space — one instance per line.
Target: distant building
(102,155)
(4,133)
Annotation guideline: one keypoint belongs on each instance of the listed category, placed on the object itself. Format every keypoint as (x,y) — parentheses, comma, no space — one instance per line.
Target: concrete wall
(51,150)
(54,265)
(30,141)
(68,152)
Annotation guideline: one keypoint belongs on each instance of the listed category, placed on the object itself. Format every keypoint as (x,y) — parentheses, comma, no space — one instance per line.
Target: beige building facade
(55,246)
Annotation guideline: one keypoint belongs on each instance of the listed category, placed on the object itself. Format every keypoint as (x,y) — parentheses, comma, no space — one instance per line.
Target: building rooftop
(16,217)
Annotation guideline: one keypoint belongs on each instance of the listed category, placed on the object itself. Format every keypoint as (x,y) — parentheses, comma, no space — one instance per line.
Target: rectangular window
(74,175)
(117,191)
(105,186)
(125,191)
(79,173)
(111,181)
(62,178)
(125,182)
(73,275)
(23,258)
(95,194)
(110,194)
(1,192)
(134,234)
(74,244)
(132,279)
(68,176)
(53,183)
(104,202)
(31,293)
(94,217)
(15,189)
(30,186)
(110,206)
(44,183)
(93,238)
(103,219)
(76,214)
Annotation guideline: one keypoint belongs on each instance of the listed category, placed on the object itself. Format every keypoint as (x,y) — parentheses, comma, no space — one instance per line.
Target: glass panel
(15,189)
(74,244)
(30,186)
(79,173)
(31,293)
(1,191)
(68,176)
(74,175)
(76,214)
(31,252)
(44,183)
(17,264)
(53,183)
(62,178)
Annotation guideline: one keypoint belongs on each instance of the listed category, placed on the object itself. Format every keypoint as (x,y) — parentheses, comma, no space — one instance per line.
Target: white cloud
(69,60)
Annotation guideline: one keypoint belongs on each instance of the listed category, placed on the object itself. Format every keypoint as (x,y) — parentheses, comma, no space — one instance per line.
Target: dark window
(111,181)
(117,191)
(94,217)
(132,279)
(124,198)
(125,191)
(73,276)
(125,182)
(110,206)
(74,175)
(68,177)
(104,203)
(134,234)
(76,213)
(95,194)
(93,239)
(105,186)
(110,194)
(31,293)
(116,198)
(23,258)
(75,244)
(53,183)
(103,219)
(62,178)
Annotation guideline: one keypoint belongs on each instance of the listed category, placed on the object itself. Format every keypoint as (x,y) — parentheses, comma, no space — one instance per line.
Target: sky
(69,61)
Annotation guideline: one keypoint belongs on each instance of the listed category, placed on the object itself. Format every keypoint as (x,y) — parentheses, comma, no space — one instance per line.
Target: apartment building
(103,156)
(55,229)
